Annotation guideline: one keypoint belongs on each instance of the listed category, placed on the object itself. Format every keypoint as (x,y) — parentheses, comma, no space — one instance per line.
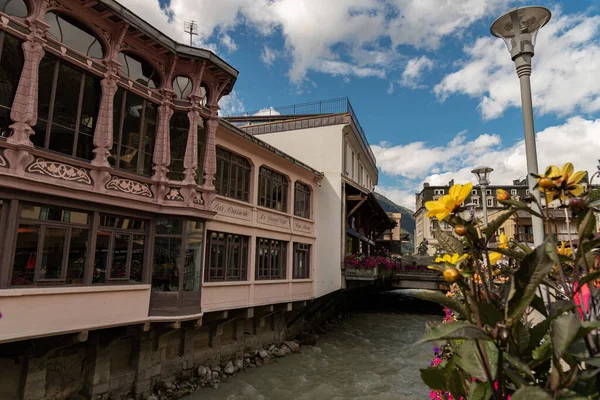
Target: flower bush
(523,322)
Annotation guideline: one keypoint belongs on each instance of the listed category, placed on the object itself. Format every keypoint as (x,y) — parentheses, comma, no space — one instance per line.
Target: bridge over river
(412,273)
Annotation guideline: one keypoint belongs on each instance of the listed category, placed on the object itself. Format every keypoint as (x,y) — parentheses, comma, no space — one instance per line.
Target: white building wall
(322,149)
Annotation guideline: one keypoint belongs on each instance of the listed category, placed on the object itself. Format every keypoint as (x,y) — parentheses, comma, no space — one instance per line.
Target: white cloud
(565,73)
(268,56)
(267,111)
(231,104)
(577,141)
(413,71)
(340,37)
(229,43)
(390,88)
(404,198)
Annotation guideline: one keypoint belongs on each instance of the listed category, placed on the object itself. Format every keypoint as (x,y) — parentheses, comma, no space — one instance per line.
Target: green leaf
(517,255)
(468,358)
(538,305)
(480,391)
(531,393)
(540,330)
(519,365)
(528,277)
(437,297)
(586,225)
(449,242)
(563,331)
(494,225)
(543,352)
(489,314)
(455,384)
(454,330)
(434,377)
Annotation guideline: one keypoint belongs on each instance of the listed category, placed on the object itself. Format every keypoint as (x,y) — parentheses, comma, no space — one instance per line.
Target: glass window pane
(74,34)
(25,255)
(52,253)
(101,257)
(148,136)
(137,258)
(64,115)
(193,263)
(89,114)
(49,213)
(130,140)
(11,65)
(169,227)
(119,256)
(182,86)
(179,126)
(46,80)
(14,7)
(77,255)
(138,70)
(165,271)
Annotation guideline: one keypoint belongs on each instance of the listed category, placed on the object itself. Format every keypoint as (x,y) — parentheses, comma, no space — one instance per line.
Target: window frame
(58,61)
(242,169)
(304,192)
(269,182)
(490,202)
(5,108)
(306,250)
(269,246)
(226,245)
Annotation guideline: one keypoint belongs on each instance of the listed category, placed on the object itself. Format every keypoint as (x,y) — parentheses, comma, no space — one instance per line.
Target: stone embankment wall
(136,361)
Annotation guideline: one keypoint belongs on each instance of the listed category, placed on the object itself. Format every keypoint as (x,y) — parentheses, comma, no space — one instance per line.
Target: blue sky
(435,93)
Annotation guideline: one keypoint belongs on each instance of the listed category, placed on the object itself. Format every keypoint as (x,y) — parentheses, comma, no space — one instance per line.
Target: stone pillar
(103,135)
(25,104)
(35,378)
(162,147)
(210,154)
(97,373)
(188,336)
(190,162)
(146,363)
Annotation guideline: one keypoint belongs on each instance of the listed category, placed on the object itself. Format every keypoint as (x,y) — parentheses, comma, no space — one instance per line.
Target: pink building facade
(125,200)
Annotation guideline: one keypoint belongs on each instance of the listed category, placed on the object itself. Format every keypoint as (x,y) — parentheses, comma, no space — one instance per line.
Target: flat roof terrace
(304,115)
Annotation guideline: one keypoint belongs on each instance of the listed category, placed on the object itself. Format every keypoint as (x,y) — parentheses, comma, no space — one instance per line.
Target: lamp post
(518,28)
(483,178)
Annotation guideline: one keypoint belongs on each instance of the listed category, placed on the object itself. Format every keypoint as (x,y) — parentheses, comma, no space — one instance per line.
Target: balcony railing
(333,106)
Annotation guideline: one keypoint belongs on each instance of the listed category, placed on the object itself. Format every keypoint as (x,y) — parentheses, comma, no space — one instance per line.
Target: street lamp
(483,178)
(518,28)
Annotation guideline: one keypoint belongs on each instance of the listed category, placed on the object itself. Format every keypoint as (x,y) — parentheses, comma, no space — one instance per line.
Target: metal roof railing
(333,106)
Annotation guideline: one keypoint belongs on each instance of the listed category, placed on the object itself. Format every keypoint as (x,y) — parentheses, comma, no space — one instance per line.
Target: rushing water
(371,355)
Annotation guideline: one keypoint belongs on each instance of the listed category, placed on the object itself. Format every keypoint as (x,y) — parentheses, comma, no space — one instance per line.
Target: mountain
(408,221)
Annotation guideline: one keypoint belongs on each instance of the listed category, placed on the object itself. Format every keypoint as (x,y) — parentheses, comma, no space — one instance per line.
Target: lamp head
(483,174)
(519,27)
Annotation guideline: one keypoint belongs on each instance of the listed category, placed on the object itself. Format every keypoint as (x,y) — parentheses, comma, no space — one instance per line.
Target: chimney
(426,184)
(451,183)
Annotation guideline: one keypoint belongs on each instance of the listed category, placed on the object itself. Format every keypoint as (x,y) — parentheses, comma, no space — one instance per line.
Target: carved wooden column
(190,162)
(162,146)
(210,154)
(25,104)
(103,135)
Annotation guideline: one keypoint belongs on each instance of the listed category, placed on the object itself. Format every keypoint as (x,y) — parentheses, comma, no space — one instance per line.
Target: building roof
(305,115)
(268,147)
(135,22)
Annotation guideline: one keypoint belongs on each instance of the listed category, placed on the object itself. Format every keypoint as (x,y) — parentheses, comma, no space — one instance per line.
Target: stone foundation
(129,362)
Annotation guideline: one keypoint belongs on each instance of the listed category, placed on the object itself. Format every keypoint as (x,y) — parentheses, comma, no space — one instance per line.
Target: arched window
(68,103)
(182,86)
(134,132)
(179,127)
(74,34)
(11,64)
(18,8)
(139,70)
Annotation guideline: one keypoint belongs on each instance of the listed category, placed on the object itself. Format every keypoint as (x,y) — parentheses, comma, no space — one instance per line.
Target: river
(371,355)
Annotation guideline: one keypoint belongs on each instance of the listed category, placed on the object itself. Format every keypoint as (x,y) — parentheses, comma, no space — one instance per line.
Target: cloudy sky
(435,93)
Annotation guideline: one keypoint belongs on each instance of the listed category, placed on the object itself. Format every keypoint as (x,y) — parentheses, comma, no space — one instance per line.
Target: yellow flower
(454,260)
(564,251)
(502,244)
(447,204)
(564,182)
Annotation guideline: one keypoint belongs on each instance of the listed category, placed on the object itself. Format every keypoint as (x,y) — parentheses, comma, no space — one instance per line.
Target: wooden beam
(360,203)
(355,197)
